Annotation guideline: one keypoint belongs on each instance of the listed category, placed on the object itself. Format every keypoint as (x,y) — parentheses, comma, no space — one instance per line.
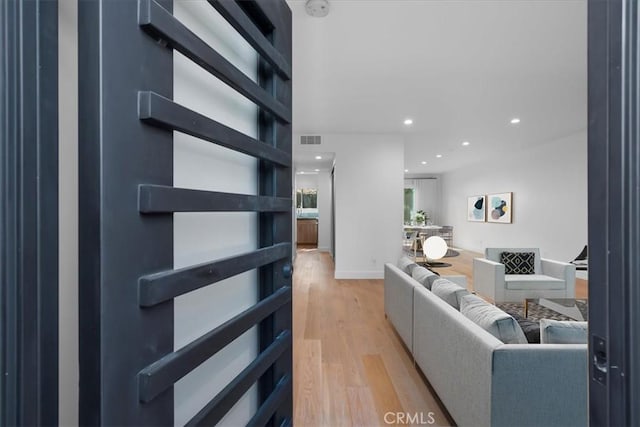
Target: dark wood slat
(273,402)
(159,23)
(162,374)
(159,111)
(166,199)
(239,20)
(213,412)
(160,287)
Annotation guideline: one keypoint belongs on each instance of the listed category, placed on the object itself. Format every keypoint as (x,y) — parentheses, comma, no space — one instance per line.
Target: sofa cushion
(532,281)
(563,332)
(518,262)
(492,319)
(449,292)
(406,264)
(424,276)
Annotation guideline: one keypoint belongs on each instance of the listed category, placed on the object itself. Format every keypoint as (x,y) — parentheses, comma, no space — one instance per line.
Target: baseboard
(371,274)
(324,249)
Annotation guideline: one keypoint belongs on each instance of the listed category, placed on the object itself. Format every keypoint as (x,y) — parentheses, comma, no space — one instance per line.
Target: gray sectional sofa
(481,380)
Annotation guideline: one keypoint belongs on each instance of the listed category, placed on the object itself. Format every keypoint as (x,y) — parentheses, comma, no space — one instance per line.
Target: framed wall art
(476,209)
(499,208)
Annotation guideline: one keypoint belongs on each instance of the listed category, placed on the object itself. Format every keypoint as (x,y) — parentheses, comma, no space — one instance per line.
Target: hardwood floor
(350,367)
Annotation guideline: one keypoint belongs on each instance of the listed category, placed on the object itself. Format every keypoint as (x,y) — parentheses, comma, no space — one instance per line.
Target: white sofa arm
(488,278)
(563,271)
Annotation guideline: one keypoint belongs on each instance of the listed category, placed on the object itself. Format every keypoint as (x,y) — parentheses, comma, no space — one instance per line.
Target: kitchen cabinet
(307,231)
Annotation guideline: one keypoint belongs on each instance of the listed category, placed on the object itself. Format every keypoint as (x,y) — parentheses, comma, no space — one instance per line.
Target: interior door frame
(29,212)
(614,212)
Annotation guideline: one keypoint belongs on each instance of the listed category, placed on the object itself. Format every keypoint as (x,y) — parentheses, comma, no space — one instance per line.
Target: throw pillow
(424,276)
(530,328)
(518,262)
(492,319)
(563,332)
(406,264)
(449,292)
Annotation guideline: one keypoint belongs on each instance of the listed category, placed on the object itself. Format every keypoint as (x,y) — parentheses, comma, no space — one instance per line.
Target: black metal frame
(127,200)
(614,212)
(29,212)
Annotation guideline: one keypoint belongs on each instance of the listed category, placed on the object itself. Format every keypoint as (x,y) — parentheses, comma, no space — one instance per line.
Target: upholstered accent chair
(549,279)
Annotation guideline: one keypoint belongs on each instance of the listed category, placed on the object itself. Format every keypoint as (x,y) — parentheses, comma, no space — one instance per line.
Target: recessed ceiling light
(515,120)
(423,162)
(302,173)
(317,170)
(408,122)
(406,170)
(465,143)
(318,157)
(438,155)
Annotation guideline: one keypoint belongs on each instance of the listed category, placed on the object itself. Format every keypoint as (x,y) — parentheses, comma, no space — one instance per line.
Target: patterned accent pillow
(531,328)
(518,262)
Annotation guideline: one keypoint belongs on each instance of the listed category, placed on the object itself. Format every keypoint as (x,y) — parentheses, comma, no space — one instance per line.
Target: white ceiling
(460,69)
(307,161)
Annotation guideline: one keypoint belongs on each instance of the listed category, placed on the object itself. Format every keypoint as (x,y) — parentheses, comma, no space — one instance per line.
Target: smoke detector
(317,8)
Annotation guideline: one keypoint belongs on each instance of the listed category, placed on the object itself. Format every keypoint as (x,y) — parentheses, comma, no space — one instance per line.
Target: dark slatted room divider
(127,281)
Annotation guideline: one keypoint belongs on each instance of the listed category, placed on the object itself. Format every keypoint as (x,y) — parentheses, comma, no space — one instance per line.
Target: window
(409,199)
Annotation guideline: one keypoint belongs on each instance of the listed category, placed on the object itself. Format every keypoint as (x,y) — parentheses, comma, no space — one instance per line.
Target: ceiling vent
(310,140)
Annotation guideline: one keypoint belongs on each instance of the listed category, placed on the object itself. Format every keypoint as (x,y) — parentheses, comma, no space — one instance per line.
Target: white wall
(68,212)
(309,180)
(549,185)
(200,237)
(369,173)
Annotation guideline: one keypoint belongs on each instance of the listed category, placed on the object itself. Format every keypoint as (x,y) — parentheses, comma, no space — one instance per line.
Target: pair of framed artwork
(491,208)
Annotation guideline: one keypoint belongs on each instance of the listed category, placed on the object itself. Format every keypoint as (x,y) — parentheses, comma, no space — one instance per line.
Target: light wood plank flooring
(350,367)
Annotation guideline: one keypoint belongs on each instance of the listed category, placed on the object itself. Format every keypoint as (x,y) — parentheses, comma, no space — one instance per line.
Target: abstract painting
(499,208)
(476,208)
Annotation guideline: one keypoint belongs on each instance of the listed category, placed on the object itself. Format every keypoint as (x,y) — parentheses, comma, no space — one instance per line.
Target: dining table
(422,230)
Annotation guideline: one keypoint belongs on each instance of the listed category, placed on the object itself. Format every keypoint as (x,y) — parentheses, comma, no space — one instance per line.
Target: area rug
(451,253)
(537,312)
